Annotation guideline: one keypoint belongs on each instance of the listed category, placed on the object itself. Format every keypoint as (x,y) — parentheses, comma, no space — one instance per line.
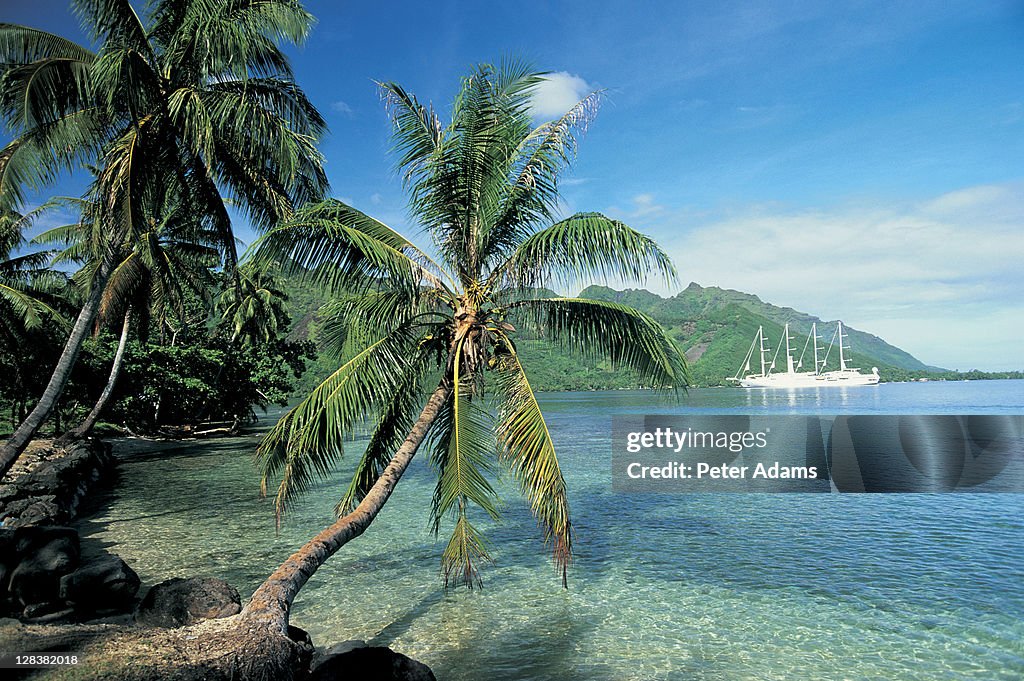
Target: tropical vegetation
(197,100)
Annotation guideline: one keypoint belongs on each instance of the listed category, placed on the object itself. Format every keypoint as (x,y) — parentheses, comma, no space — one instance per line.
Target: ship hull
(829,379)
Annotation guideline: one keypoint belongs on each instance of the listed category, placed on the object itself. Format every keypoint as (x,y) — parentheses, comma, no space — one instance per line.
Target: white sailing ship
(792,377)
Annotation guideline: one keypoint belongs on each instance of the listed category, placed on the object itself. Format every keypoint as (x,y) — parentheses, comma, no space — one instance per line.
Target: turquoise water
(708,587)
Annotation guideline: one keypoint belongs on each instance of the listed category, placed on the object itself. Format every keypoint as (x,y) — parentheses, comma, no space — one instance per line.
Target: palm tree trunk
(85,426)
(24,433)
(269,606)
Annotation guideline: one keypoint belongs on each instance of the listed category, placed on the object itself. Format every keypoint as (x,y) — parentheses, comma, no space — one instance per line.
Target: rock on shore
(42,576)
(49,481)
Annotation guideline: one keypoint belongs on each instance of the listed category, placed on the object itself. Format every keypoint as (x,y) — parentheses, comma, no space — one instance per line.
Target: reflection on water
(673,587)
(803,400)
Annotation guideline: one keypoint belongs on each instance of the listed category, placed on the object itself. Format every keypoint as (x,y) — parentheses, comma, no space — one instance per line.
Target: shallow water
(699,586)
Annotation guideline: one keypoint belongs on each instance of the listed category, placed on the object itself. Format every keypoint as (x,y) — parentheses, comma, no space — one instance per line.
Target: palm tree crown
(485,188)
(199,96)
(29,291)
(168,257)
(192,97)
(255,311)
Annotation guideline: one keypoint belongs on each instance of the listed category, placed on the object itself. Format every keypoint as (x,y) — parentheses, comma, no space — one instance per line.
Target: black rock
(371,664)
(47,553)
(178,602)
(42,511)
(101,585)
(30,540)
(44,613)
(304,642)
(8,540)
(340,648)
(14,508)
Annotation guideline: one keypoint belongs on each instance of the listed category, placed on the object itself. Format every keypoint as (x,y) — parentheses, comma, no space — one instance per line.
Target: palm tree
(169,259)
(258,315)
(428,348)
(199,99)
(30,292)
(31,296)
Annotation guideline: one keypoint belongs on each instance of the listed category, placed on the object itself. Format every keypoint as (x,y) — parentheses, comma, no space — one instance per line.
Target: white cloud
(376,199)
(341,107)
(573,181)
(557,93)
(644,206)
(941,278)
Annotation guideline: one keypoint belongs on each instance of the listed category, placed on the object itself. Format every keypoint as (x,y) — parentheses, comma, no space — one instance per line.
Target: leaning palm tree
(170,259)
(198,98)
(428,348)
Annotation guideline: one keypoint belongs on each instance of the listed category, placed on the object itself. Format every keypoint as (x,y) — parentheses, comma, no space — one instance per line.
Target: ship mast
(814,335)
(842,358)
(789,356)
(764,350)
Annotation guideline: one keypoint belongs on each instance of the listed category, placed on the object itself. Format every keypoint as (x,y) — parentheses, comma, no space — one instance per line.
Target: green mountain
(714,327)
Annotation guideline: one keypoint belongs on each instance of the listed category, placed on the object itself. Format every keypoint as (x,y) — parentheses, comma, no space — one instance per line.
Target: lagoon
(701,586)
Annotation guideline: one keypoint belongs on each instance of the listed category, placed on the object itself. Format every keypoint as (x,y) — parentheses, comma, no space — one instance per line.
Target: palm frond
(350,320)
(307,442)
(114,22)
(530,197)
(36,158)
(229,39)
(605,330)
(528,451)
(465,551)
(339,247)
(463,446)
(417,130)
(585,246)
(393,424)
(20,45)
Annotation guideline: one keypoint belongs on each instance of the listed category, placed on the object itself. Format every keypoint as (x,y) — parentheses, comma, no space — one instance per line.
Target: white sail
(792,378)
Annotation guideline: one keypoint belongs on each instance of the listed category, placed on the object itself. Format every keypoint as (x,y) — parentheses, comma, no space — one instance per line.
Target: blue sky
(856,160)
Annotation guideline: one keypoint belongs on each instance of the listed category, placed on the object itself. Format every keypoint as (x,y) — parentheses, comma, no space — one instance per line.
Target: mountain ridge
(712,326)
(696,316)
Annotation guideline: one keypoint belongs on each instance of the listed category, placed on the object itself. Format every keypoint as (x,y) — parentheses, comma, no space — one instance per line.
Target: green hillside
(713,326)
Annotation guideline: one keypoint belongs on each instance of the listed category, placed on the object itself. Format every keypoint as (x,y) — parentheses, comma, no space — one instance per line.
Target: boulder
(8,541)
(370,664)
(41,511)
(305,650)
(44,613)
(102,585)
(47,553)
(8,492)
(178,602)
(340,648)
(15,507)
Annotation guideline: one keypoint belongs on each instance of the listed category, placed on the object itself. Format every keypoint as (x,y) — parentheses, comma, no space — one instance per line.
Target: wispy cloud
(574,181)
(932,277)
(558,93)
(644,206)
(643,211)
(341,107)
